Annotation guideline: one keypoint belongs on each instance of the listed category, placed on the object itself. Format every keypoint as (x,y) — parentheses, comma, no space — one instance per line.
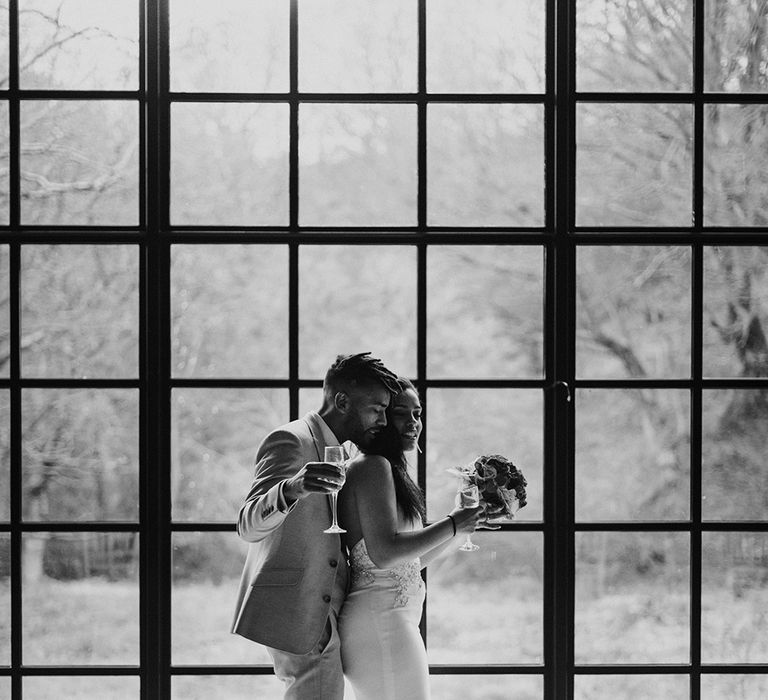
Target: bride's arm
(370,477)
(428,557)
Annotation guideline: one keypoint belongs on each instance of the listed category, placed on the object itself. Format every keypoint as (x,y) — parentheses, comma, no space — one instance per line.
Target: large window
(551,215)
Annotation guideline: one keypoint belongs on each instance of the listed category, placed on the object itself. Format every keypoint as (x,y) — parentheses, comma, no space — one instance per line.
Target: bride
(383,511)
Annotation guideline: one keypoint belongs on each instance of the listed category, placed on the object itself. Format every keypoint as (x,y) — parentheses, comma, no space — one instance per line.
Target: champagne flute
(469,497)
(335,455)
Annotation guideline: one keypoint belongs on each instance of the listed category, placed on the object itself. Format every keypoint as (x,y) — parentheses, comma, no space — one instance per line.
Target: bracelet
(453,522)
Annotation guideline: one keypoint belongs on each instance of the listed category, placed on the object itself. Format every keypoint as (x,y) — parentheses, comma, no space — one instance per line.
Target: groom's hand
(313,477)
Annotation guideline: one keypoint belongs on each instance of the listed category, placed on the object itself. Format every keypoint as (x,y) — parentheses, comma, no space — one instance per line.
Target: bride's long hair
(389,445)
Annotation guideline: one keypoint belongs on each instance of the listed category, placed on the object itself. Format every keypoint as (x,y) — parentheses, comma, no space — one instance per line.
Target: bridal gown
(382,651)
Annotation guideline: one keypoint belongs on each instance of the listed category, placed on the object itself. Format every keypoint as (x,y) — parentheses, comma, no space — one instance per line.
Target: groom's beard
(361,436)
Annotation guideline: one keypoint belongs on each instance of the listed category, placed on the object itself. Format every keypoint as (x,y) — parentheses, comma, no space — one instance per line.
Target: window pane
(311,399)
(734,454)
(634,47)
(79,162)
(214,436)
(357,45)
(245,687)
(634,164)
(356,299)
(5,601)
(734,579)
(229,164)
(488,686)
(81,688)
(486,165)
(4,46)
(206,574)
(735,50)
(633,312)
(488,322)
(79,311)
(735,311)
(736,165)
(80,454)
(632,454)
(72,577)
(4,155)
(79,44)
(5,456)
(715,686)
(640,687)
(229,310)
(467,592)
(5,313)
(485,46)
(465,423)
(228,46)
(357,164)
(632,598)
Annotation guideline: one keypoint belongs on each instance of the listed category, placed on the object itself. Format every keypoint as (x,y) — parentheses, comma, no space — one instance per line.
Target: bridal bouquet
(500,483)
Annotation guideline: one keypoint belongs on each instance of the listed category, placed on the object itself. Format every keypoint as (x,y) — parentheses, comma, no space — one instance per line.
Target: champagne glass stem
(334,502)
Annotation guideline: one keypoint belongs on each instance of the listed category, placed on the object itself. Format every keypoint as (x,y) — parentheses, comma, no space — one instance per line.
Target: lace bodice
(406,576)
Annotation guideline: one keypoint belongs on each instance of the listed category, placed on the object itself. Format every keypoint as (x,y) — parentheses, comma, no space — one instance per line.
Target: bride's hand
(466,519)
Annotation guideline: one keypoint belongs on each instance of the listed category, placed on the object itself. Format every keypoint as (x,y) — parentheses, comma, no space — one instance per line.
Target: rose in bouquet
(500,483)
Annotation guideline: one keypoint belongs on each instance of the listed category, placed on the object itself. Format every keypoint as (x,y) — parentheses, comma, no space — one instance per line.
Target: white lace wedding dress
(382,651)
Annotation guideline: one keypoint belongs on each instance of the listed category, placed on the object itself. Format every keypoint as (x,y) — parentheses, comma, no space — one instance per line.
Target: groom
(295,576)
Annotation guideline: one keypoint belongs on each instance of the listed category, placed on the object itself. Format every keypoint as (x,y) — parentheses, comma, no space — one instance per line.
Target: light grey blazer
(289,575)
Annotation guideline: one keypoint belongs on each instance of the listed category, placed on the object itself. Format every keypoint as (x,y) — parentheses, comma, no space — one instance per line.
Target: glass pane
(357,164)
(79,311)
(206,574)
(486,686)
(715,686)
(4,154)
(245,687)
(5,313)
(734,580)
(735,311)
(632,454)
(80,162)
(468,591)
(214,436)
(228,46)
(311,399)
(634,164)
(229,310)
(229,164)
(634,46)
(465,423)
(734,454)
(80,452)
(79,44)
(633,312)
(486,165)
(485,46)
(735,50)
(357,299)
(496,295)
(4,71)
(5,455)
(640,687)
(78,576)
(632,597)
(5,601)
(736,165)
(81,688)
(357,45)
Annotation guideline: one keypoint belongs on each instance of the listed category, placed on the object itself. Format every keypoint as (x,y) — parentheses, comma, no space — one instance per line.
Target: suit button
(327,598)
(334,563)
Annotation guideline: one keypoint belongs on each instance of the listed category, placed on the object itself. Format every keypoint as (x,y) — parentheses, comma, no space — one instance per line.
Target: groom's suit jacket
(292,566)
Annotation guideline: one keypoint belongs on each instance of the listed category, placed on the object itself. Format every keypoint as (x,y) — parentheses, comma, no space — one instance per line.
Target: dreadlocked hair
(349,371)
(389,444)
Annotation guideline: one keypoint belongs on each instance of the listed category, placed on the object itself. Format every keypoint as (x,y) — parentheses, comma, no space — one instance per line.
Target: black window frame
(559,238)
